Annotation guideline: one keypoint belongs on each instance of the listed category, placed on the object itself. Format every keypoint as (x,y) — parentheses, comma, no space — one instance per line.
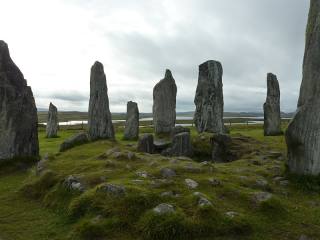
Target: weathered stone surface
(191,183)
(167,173)
(73,183)
(161,145)
(112,190)
(164,208)
(272,118)
(145,144)
(209,98)
(181,146)
(18,112)
(99,121)
(164,104)
(73,141)
(178,129)
(131,131)
(53,122)
(221,148)
(303,133)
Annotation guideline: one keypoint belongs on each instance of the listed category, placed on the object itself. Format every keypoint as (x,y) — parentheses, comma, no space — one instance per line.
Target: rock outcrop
(18,112)
(100,122)
(131,131)
(164,104)
(209,98)
(52,123)
(272,118)
(145,144)
(303,133)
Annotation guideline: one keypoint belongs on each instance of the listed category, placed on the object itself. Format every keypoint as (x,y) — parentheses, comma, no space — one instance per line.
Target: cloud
(138,40)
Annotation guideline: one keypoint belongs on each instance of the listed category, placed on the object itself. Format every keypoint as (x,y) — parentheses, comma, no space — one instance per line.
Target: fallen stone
(232,214)
(78,139)
(112,190)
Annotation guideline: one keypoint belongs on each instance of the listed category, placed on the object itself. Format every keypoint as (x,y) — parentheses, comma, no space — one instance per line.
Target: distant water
(255,120)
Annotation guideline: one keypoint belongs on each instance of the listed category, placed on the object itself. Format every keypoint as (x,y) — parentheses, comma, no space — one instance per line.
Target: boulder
(209,98)
(99,122)
(164,104)
(181,146)
(73,141)
(18,112)
(272,118)
(52,123)
(131,131)
(73,183)
(302,135)
(145,144)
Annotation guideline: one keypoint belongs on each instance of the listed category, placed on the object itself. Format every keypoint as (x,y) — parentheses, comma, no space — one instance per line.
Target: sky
(55,43)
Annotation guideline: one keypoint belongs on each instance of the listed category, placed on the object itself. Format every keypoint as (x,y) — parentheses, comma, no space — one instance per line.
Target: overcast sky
(54,43)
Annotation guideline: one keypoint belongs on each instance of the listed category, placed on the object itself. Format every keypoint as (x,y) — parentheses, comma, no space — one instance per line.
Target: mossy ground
(40,207)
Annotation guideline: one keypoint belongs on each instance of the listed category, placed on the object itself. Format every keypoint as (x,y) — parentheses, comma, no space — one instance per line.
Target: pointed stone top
(52,106)
(168,74)
(97,67)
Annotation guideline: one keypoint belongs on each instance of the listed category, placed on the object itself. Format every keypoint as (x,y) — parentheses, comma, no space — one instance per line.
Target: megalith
(303,133)
(209,98)
(18,112)
(131,131)
(99,122)
(52,123)
(164,104)
(271,108)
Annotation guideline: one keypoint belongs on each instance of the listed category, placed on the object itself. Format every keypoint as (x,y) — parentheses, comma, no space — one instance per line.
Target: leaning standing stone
(131,131)
(18,112)
(52,123)
(303,134)
(164,104)
(100,121)
(209,98)
(272,119)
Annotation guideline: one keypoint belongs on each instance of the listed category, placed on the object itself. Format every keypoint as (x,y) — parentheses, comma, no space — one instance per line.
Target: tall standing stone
(100,121)
(209,98)
(272,118)
(18,112)
(164,104)
(52,123)
(131,131)
(303,133)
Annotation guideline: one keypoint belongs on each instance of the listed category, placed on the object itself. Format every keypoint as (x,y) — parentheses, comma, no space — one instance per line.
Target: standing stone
(18,112)
(272,118)
(145,144)
(164,104)
(303,133)
(131,131)
(100,121)
(52,123)
(209,98)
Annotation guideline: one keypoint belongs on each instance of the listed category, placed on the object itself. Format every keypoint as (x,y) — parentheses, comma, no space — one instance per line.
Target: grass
(41,207)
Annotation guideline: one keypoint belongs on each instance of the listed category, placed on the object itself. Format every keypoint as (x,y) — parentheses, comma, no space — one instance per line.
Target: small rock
(203,202)
(191,183)
(192,169)
(284,183)
(167,173)
(215,182)
(174,161)
(164,208)
(73,183)
(304,237)
(169,194)
(231,214)
(112,189)
(138,181)
(205,163)
(278,179)
(143,174)
(260,197)
(262,183)
(131,156)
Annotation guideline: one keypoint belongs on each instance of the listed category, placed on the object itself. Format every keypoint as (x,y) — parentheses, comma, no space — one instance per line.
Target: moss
(38,187)
(202,146)
(164,227)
